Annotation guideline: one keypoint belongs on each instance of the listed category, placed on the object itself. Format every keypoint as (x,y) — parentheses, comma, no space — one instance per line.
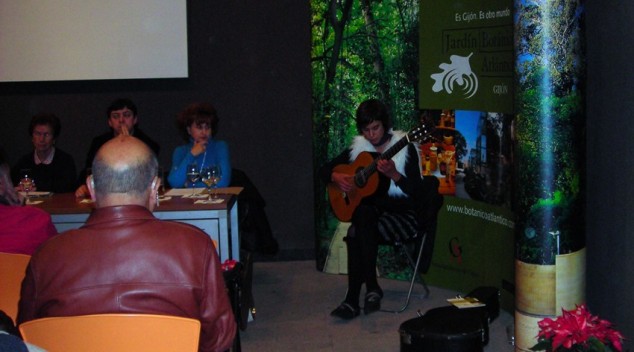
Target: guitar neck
(388,154)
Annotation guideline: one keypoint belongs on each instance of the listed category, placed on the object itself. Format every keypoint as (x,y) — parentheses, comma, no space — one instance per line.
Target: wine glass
(192,175)
(216,175)
(26,181)
(206,175)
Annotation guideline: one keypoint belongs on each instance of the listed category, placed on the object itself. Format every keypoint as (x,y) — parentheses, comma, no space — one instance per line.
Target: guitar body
(366,177)
(344,203)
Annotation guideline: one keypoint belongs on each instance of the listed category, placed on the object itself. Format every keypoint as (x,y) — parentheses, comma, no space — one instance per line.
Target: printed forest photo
(550,130)
(360,50)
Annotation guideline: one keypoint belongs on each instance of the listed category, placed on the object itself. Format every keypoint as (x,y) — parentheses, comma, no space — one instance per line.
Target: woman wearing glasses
(50,168)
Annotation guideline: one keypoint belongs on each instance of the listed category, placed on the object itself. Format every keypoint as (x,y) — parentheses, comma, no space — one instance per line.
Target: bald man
(124,260)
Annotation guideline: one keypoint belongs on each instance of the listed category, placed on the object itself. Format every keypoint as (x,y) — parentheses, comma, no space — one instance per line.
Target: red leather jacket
(124,260)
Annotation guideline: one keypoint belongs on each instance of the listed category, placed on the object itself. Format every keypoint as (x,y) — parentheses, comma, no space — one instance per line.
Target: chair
(423,243)
(255,230)
(12,271)
(113,332)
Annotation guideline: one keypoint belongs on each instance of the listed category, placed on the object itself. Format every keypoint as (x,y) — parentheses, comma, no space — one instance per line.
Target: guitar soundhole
(359,178)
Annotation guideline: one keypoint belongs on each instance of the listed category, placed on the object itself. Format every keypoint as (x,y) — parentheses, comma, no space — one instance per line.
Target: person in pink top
(22,228)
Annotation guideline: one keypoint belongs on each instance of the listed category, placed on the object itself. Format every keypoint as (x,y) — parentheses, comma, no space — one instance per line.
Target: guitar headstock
(421,132)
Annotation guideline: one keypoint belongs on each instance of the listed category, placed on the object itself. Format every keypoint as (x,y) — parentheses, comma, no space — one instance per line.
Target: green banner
(473,248)
(466,56)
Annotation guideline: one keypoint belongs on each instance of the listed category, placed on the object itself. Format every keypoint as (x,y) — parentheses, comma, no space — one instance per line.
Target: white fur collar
(360,144)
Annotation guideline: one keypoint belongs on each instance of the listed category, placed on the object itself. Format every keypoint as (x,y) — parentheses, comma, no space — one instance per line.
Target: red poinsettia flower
(577,330)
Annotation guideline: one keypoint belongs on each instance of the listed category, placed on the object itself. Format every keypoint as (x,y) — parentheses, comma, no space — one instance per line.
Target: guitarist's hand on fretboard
(345,182)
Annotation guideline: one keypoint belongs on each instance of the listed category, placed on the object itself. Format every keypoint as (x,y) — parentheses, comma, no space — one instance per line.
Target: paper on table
(36,194)
(209,201)
(197,196)
(180,192)
(183,192)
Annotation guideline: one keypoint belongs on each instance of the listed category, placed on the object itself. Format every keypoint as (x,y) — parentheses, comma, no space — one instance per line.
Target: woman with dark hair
(392,208)
(52,169)
(199,123)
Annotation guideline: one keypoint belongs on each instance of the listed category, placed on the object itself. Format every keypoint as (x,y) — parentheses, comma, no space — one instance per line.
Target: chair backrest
(12,271)
(113,332)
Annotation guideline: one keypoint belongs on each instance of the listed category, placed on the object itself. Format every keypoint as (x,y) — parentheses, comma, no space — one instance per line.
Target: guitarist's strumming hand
(388,168)
(343,181)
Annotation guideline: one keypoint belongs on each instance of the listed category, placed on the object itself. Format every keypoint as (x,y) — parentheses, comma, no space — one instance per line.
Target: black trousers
(371,227)
(363,245)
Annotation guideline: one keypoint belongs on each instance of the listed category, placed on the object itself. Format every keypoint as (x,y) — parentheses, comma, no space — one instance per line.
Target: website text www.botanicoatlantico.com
(485,215)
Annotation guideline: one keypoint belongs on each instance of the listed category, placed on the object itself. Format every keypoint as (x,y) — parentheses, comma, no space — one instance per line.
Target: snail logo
(457,73)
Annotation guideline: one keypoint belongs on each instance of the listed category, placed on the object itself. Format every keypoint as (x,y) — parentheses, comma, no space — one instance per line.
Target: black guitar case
(444,329)
(451,329)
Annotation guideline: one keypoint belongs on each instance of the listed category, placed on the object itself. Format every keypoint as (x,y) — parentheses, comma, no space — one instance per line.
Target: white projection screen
(61,40)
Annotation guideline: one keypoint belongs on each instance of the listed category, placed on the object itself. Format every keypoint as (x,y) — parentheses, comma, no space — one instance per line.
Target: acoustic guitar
(366,179)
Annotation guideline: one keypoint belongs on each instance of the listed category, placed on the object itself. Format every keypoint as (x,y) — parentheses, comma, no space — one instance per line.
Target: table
(219,221)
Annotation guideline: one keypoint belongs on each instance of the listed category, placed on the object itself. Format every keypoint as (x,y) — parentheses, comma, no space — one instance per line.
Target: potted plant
(577,330)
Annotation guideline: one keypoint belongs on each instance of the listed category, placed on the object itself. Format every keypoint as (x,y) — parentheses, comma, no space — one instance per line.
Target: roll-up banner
(466,73)
(549,151)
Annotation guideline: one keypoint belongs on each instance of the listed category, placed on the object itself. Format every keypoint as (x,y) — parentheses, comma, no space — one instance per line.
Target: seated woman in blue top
(199,122)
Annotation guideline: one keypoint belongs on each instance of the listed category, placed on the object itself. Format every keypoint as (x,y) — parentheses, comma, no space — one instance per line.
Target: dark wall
(251,59)
(610,162)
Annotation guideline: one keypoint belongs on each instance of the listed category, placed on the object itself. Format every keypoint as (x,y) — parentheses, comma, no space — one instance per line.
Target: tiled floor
(293,302)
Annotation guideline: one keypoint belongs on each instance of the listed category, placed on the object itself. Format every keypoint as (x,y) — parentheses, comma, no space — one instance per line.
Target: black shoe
(372,302)
(345,311)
